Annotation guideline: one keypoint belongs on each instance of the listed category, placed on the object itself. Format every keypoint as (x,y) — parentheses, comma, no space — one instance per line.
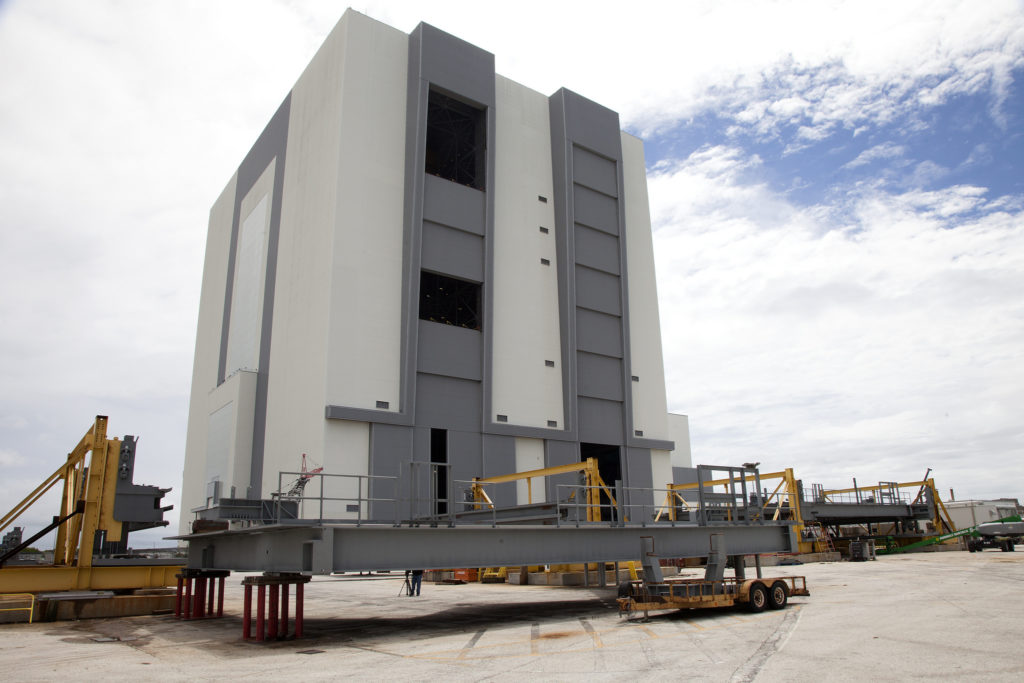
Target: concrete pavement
(951,615)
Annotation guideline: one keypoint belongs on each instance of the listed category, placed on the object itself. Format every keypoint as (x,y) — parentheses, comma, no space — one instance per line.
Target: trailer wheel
(758,599)
(778,595)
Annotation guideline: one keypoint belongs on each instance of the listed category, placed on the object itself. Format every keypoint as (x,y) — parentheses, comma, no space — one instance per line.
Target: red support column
(261,600)
(220,598)
(246,611)
(298,609)
(188,598)
(282,632)
(272,622)
(211,588)
(199,594)
(177,597)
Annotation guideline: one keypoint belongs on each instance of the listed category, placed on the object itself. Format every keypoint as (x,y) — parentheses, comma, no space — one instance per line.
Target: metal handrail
(574,503)
(31,604)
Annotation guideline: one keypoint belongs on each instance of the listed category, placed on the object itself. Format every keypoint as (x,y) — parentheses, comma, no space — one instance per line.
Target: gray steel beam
(851,513)
(327,548)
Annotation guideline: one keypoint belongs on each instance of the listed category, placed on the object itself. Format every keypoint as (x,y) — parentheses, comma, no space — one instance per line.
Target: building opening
(449,301)
(609,466)
(439,470)
(456,140)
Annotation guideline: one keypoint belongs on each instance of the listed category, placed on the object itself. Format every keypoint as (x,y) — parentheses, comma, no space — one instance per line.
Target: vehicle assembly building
(421,261)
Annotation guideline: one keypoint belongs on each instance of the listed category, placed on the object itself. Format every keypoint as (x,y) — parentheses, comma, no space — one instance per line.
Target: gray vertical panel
(449,350)
(586,124)
(591,125)
(598,333)
(595,209)
(560,453)
(459,67)
(390,448)
(601,421)
(447,403)
(500,458)
(416,503)
(639,476)
(465,457)
(454,205)
(272,143)
(453,252)
(598,291)
(599,376)
(596,172)
(596,249)
(441,400)
(561,168)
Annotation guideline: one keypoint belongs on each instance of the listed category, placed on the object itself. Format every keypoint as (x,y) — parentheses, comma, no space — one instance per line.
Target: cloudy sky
(837,191)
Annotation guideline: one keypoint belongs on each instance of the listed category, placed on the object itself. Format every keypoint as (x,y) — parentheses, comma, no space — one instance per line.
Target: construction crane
(300,484)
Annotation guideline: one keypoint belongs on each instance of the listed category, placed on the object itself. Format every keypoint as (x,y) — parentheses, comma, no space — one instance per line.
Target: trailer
(757,594)
(654,592)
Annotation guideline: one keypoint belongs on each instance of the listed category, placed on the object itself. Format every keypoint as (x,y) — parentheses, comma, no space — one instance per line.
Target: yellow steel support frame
(940,516)
(94,484)
(595,485)
(785,492)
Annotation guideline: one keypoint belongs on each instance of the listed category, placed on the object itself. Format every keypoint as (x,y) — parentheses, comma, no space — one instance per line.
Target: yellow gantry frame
(787,492)
(94,486)
(940,516)
(594,487)
(784,496)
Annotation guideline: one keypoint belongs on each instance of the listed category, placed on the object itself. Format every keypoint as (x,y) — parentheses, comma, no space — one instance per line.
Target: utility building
(421,261)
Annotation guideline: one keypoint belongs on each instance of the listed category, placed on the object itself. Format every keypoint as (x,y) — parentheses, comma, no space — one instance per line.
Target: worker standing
(417,581)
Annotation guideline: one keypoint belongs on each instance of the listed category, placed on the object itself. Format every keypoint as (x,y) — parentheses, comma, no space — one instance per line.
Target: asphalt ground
(946,616)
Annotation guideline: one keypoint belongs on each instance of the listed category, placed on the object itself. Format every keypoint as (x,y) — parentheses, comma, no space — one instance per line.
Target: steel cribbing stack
(272,605)
(198,591)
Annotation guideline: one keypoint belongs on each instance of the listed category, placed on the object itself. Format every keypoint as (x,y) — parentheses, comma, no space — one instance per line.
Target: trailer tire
(758,598)
(778,595)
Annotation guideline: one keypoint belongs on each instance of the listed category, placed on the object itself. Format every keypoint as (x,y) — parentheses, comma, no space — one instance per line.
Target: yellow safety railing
(23,596)
(595,485)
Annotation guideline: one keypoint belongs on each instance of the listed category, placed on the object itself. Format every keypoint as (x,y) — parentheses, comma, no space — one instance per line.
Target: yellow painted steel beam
(75,456)
(722,482)
(544,472)
(36,579)
(876,487)
(594,484)
(93,491)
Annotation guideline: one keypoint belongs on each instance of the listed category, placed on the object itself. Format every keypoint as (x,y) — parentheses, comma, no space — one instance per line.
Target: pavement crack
(748,671)
(471,644)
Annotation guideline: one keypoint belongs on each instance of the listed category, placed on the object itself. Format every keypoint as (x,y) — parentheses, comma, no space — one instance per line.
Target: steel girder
(327,548)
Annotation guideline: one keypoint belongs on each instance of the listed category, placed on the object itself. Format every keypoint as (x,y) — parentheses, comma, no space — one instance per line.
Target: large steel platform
(327,548)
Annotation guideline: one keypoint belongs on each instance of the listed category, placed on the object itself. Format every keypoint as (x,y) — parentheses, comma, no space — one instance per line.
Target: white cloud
(886,150)
(860,339)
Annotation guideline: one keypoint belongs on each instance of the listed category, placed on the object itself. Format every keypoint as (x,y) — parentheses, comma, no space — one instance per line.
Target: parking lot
(950,615)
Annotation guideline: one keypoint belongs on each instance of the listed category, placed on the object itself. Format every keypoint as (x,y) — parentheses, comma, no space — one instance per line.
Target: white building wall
(207,355)
(679,432)
(526,322)
(365,283)
(229,434)
(649,405)
(967,513)
(299,339)
(661,473)
(530,456)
